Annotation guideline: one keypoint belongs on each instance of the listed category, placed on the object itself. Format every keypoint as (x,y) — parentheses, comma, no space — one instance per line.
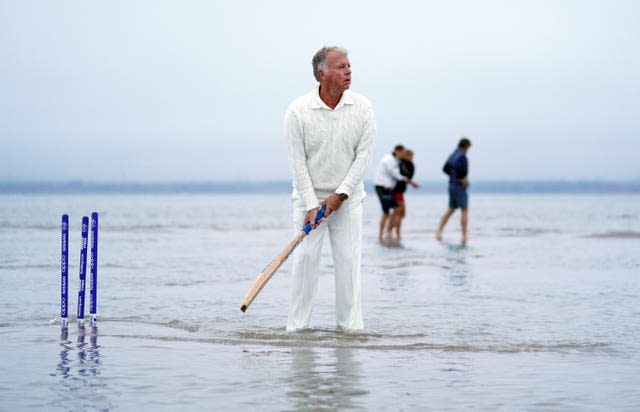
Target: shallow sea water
(540,312)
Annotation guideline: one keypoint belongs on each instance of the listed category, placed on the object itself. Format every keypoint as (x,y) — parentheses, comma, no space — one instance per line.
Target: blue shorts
(458,196)
(386,198)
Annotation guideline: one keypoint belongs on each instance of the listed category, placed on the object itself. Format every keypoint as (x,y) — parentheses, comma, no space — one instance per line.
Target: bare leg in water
(395,221)
(386,217)
(464,221)
(443,222)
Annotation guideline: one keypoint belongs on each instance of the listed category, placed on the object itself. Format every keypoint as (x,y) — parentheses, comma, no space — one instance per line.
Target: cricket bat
(273,267)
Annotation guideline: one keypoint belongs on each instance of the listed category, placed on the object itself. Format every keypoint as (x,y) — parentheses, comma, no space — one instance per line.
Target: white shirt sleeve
(298,160)
(393,168)
(363,155)
(388,172)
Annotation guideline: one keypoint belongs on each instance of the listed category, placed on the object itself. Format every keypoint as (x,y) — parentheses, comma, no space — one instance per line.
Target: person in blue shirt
(457,167)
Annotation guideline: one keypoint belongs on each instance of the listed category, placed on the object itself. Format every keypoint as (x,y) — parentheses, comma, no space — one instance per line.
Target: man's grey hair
(320,58)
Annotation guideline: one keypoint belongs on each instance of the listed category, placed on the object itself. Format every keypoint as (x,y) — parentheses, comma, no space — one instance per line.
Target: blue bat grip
(307,228)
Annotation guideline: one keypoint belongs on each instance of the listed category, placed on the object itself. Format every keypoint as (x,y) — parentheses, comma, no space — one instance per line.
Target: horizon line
(283,186)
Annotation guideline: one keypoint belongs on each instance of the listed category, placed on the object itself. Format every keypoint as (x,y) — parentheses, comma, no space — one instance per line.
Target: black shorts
(386,198)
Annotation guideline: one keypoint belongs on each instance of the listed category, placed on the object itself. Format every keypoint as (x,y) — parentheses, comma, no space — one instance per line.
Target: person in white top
(385,179)
(330,133)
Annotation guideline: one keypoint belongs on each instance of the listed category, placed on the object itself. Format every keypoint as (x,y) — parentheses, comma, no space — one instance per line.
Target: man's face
(338,71)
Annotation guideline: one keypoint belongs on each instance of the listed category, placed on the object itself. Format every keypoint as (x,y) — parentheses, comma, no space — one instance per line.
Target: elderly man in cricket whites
(330,133)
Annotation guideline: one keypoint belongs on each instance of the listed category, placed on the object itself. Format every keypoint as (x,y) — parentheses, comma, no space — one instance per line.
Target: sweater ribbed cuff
(311,201)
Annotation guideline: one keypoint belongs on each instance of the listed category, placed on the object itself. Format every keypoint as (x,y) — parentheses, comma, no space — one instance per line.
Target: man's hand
(413,183)
(311,218)
(464,182)
(333,203)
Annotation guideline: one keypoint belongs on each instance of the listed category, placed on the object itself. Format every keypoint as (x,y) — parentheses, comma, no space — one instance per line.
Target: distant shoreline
(284,186)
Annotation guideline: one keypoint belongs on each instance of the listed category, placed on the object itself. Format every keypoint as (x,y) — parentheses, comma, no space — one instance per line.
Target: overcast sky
(196,90)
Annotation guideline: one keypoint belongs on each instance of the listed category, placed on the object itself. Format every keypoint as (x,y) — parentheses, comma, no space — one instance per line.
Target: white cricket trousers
(345,235)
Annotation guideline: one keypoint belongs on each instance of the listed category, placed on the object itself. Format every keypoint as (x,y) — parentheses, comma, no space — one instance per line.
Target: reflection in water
(80,386)
(456,263)
(326,379)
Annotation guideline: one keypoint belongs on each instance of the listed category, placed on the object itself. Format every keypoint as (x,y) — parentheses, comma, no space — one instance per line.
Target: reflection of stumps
(64,273)
(81,335)
(93,289)
(83,269)
(94,336)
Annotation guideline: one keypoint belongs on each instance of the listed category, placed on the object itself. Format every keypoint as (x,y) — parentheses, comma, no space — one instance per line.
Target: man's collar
(317,103)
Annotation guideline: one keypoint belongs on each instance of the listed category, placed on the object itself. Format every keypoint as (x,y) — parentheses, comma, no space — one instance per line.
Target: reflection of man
(330,133)
(457,167)
(338,387)
(387,175)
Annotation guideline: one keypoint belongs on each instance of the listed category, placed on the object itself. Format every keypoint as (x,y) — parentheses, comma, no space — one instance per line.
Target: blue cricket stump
(83,269)
(93,289)
(64,273)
